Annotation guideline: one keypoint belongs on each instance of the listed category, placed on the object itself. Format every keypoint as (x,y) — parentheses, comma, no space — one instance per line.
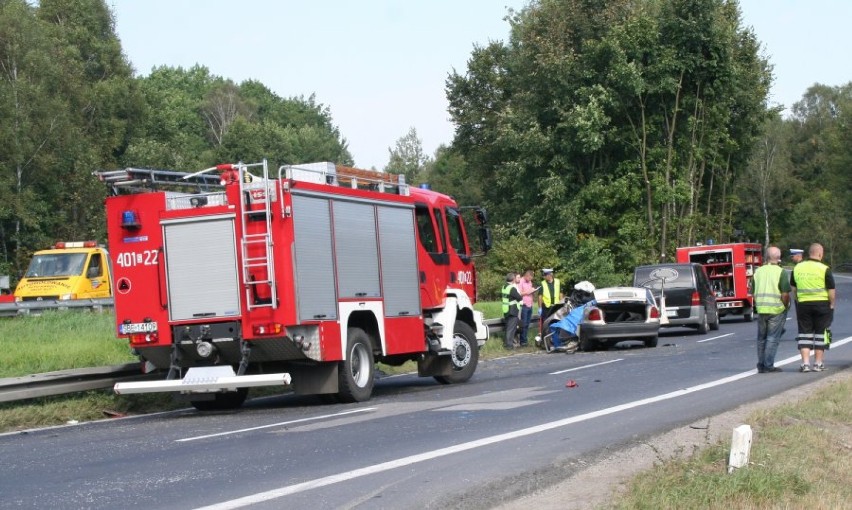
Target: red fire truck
(730,268)
(240,279)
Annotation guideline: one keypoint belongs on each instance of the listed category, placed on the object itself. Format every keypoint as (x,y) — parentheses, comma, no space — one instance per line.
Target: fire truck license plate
(138,327)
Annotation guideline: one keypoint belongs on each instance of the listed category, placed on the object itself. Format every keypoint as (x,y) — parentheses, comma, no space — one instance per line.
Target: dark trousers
(511,327)
(526,317)
(813,317)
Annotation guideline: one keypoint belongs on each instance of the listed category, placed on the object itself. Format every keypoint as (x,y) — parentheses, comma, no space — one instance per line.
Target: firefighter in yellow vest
(814,291)
(771,299)
(511,309)
(551,295)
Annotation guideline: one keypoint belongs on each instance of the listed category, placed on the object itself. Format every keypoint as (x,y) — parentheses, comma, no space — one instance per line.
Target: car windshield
(56,264)
(672,277)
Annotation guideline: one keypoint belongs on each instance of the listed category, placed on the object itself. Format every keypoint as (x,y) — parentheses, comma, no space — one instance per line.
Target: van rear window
(673,277)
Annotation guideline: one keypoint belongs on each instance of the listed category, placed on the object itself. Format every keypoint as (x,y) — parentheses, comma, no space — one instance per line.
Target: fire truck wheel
(222,401)
(464,357)
(748,314)
(356,373)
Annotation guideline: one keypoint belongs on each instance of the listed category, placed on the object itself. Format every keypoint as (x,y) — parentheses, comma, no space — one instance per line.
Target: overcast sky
(381,65)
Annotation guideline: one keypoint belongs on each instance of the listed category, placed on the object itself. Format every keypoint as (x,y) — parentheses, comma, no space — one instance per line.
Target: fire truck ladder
(259,244)
(130,179)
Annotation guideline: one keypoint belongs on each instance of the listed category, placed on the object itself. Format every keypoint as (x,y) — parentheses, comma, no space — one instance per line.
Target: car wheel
(652,341)
(465,355)
(703,326)
(715,324)
(587,344)
(222,401)
(355,374)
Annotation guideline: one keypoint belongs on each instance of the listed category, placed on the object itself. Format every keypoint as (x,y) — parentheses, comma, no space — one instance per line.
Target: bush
(513,252)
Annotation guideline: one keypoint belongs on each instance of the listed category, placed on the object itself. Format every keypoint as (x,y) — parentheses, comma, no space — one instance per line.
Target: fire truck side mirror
(481,216)
(485,238)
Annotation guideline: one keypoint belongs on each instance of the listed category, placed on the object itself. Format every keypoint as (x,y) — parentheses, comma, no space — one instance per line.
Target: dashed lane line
(713,338)
(586,366)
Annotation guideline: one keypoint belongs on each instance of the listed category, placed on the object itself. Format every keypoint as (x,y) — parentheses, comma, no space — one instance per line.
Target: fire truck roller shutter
(315,284)
(356,249)
(201,262)
(400,284)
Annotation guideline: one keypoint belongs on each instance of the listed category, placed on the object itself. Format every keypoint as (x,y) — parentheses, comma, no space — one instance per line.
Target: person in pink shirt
(526,289)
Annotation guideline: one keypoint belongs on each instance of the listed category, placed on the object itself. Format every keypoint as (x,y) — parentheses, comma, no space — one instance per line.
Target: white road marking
(423,457)
(279,424)
(713,338)
(586,366)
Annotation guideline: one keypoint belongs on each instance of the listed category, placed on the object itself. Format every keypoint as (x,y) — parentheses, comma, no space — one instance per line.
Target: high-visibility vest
(767,296)
(506,303)
(810,281)
(546,298)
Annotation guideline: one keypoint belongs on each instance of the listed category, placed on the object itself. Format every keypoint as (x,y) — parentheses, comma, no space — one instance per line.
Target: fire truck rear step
(204,380)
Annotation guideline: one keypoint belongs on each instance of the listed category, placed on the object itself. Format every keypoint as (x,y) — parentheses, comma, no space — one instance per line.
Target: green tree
(764,186)
(209,119)
(103,104)
(407,157)
(67,93)
(449,173)
(821,156)
(594,107)
(32,112)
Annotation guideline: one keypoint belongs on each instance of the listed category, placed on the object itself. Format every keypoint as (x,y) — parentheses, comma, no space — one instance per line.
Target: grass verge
(801,457)
(59,340)
(80,407)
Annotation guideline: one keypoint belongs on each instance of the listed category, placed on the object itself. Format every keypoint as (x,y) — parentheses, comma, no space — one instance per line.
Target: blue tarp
(569,323)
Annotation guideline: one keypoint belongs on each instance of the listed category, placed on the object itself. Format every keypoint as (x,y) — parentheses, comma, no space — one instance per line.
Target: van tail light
(595,314)
(696,299)
(654,313)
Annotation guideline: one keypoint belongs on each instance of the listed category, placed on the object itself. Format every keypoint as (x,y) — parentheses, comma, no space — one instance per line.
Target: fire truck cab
(241,279)
(730,268)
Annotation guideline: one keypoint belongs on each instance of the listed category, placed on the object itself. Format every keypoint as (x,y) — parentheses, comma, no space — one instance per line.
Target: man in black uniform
(511,307)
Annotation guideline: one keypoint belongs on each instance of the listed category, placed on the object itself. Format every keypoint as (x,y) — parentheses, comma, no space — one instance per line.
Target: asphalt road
(515,427)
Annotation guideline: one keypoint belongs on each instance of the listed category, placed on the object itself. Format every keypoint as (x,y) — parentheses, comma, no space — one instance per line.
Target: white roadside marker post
(740,448)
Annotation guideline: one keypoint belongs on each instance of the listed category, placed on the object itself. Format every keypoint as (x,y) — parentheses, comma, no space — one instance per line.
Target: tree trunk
(667,210)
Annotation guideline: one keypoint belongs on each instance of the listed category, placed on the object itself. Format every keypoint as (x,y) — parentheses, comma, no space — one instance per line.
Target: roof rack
(338,175)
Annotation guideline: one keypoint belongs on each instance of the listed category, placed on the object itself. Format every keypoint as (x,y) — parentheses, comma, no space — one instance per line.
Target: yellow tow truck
(69,270)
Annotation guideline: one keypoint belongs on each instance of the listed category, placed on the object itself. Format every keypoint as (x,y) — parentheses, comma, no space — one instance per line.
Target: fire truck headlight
(204,349)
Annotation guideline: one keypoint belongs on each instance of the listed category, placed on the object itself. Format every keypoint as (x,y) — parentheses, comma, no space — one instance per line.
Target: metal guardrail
(499,325)
(36,307)
(69,381)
